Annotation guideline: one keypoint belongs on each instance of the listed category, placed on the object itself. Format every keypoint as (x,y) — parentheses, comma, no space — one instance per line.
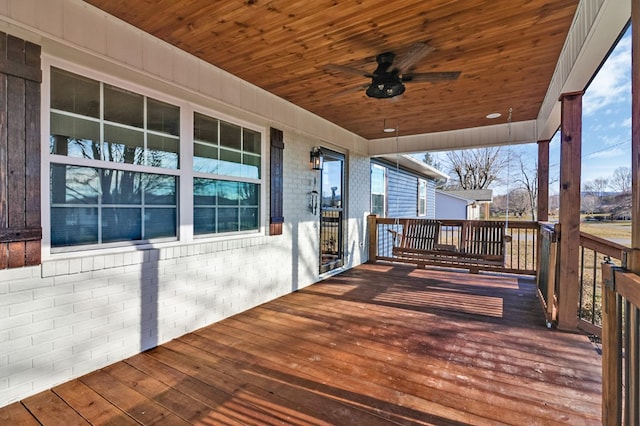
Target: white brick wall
(79,312)
(74,315)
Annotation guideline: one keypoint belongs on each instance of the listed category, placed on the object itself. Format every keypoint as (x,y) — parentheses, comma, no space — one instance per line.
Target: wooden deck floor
(376,345)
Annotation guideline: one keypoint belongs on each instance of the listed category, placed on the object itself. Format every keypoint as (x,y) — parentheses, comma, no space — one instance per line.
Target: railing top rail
(601,245)
(459,222)
(627,284)
(549,226)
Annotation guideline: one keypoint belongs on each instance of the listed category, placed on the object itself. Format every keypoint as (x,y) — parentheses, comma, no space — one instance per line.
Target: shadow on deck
(378,344)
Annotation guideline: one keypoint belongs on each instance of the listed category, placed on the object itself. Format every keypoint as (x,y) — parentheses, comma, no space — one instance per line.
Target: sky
(606,117)
(606,121)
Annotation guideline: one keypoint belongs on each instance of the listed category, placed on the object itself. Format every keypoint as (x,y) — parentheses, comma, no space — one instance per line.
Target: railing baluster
(594,288)
(581,299)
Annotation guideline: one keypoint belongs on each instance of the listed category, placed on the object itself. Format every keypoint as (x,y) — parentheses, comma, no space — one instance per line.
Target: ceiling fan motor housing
(385,83)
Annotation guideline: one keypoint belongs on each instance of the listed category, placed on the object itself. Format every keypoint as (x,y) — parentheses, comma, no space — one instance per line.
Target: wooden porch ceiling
(375,345)
(506,51)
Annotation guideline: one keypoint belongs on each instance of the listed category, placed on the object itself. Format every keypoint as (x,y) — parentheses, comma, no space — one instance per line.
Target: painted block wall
(78,312)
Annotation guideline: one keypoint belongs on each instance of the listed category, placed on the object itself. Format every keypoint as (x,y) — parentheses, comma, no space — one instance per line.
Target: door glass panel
(332,212)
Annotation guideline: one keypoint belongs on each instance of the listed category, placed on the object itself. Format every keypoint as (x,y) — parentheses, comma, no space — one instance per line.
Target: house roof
(451,195)
(480,195)
(518,54)
(415,165)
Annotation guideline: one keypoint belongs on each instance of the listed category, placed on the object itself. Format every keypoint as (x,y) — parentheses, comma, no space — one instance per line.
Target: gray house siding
(450,207)
(402,192)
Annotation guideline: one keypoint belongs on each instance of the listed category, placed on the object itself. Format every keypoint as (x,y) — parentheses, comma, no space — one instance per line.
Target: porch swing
(481,243)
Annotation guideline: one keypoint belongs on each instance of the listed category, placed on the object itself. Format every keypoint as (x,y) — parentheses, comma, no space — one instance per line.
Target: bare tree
(596,187)
(528,179)
(621,180)
(431,160)
(589,203)
(476,168)
(519,202)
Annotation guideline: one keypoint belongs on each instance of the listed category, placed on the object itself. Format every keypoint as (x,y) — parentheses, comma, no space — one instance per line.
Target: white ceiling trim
(497,134)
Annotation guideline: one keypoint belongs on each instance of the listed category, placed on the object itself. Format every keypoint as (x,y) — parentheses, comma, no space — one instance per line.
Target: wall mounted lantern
(316,158)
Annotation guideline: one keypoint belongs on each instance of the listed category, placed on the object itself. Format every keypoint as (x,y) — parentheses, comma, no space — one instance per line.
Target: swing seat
(482,245)
(418,234)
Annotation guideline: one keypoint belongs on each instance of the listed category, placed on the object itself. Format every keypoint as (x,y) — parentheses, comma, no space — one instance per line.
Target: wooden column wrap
(570,162)
(276,218)
(20,77)
(634,263)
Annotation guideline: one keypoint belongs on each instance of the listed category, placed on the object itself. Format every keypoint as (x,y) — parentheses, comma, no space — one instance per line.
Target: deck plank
(94,408)
(188,408)
(206,391)
(50,409)
(378,344)
(129,400)
(17,414)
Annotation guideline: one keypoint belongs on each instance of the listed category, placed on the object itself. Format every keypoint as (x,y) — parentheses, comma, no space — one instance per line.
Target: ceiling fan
(389,77)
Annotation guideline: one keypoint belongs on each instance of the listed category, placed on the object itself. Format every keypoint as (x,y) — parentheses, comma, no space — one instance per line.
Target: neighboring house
(481,200)
(403,186)
(451,206)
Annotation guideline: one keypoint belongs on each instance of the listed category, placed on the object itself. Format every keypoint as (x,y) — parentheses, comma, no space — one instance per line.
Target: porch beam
(570,167)
(543,181)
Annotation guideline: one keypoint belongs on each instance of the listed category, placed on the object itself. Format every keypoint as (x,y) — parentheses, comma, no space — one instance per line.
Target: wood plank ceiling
(506,51)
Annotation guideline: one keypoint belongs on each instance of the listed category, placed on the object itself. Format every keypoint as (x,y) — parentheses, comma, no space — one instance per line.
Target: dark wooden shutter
(277,150)
(20,78)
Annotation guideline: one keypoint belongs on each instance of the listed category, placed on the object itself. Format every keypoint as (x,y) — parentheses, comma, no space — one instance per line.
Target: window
(93,205)
(115,173)
(227,164)
(378,190)
(104,142)
(422,197)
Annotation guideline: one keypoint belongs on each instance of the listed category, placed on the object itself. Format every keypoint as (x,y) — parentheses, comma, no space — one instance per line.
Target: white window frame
(385,192)
(260,181)
(184,173)
(422,202)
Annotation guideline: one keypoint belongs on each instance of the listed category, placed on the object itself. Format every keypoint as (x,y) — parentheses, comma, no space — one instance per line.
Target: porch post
(373,237)
(634,258)
(570,164)
(543,181)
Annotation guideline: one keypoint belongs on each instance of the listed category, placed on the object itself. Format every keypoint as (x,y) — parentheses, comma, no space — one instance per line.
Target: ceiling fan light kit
(383,87)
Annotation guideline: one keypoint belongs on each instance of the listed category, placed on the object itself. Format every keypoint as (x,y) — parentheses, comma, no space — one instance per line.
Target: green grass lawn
(619,232)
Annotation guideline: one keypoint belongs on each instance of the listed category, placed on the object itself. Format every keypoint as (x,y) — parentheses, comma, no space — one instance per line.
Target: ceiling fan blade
(414,54)
(347,70)
(351,90)
(431,77)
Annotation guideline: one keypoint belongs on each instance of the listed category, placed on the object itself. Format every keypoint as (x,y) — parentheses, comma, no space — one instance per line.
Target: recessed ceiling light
(387,129)
(494,115)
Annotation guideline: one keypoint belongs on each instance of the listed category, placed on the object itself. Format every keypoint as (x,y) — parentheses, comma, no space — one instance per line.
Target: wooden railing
(620,347)
(593,252)
(521,250)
